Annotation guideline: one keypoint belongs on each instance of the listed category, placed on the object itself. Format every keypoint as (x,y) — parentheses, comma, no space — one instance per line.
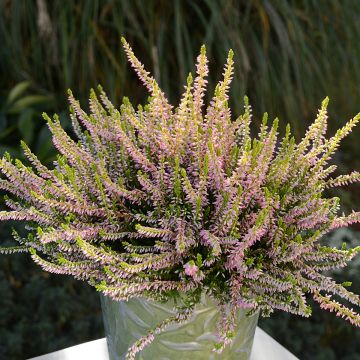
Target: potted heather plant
(187,225)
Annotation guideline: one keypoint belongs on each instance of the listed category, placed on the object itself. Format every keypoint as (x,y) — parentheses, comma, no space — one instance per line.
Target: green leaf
(44,148)
(26,124)
(29,101)
(249,261)
(199,260)
(17,90)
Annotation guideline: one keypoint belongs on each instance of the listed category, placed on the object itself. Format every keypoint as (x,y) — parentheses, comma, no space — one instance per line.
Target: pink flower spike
(191,269)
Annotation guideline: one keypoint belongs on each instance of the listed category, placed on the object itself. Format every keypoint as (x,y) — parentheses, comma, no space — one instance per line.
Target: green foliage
(303,49)
(20,118)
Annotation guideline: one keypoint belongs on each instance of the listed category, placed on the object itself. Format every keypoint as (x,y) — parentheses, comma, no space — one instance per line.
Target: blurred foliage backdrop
(289,55)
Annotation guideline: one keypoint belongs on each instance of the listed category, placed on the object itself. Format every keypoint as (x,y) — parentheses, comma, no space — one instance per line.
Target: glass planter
(127,321)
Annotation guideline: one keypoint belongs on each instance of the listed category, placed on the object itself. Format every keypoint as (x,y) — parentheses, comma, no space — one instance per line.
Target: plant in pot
(187,225)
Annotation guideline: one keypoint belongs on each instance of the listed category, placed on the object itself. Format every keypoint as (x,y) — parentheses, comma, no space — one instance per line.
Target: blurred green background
(289,55)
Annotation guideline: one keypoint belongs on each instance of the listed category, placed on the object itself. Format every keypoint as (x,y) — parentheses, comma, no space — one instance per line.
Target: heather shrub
(171,202)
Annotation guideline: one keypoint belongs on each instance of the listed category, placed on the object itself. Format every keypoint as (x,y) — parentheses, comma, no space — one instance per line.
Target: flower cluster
(159,201)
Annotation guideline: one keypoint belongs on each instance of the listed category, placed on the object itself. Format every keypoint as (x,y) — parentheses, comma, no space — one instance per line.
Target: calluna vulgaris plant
(162,202)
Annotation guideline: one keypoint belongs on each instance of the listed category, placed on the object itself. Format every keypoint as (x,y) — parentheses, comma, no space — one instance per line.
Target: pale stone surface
(266,348)
(92,350)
